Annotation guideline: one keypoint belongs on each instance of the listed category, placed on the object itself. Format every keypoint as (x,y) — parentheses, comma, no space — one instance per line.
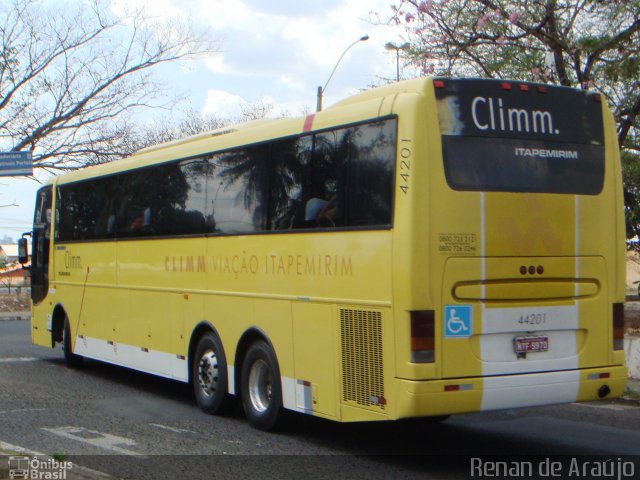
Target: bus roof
(240,134)
(416,86)
(220,139)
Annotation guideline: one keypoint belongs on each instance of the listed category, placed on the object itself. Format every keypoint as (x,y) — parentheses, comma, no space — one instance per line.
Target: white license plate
(531,344)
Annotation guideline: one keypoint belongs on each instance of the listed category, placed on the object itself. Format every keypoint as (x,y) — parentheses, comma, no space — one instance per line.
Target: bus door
(41,241)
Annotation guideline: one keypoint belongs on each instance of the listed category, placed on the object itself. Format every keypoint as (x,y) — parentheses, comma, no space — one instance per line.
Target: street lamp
(397,48)
(321,90)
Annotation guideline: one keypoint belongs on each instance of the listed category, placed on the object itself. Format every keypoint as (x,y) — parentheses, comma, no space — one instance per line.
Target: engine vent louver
(361,350)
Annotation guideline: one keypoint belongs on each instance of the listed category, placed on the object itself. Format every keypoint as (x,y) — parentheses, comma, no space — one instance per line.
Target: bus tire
(261,389)
(209,374)
(72,360)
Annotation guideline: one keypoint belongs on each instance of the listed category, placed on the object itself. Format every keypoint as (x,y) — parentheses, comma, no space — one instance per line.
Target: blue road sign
(15,164)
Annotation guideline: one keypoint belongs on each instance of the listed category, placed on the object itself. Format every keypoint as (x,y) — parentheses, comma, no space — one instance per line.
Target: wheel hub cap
(260,386)
(208,373)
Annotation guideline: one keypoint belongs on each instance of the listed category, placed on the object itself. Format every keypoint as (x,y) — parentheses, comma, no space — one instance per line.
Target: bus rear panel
(526,249)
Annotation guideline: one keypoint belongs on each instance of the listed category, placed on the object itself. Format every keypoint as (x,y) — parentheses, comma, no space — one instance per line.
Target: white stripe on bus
(514,391)
(294,396)
(163,364)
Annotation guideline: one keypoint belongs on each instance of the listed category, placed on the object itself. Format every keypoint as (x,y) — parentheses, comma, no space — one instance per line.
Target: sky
(274,51)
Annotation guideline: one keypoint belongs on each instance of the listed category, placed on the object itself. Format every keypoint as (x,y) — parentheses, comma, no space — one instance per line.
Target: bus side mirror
(23,251)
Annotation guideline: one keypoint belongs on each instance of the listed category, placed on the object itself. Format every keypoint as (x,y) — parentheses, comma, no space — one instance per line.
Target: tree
(631,180)
(167,129)
(578,43)
(589,44)
(192,123)
(72,76)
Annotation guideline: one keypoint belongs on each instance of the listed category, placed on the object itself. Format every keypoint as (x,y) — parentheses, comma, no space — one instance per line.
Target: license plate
(530,344)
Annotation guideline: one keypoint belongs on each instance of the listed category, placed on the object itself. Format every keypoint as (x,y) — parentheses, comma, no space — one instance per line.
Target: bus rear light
(541,89)
(598,376)
(505,86)
(422,336)
(618,326)
(524,88)
(438,83)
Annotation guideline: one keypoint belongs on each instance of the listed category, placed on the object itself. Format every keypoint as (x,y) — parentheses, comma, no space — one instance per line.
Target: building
(10,252)
(12,275)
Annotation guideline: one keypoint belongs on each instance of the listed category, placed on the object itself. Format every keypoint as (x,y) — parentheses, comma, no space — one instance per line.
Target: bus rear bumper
(444,397)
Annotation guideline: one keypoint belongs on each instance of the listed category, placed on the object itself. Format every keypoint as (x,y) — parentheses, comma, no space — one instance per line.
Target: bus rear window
(520,137)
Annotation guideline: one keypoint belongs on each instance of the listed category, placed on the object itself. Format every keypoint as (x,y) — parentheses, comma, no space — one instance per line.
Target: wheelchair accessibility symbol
(457,321)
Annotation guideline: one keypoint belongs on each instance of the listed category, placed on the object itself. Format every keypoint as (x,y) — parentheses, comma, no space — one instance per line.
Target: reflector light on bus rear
(598,376)
(458,387)
(422,336)
(541,89)
(524,88)
(618,326)
(438,83)
(505,86)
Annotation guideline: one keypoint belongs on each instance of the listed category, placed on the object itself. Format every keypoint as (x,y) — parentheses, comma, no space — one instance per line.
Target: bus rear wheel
(72,360)
(209,375)
(261,389)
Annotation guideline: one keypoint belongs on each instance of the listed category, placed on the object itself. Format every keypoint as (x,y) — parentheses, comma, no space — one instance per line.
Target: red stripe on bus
(308,122)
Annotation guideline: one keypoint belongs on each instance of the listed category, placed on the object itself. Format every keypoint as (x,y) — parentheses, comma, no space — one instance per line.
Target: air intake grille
(361,342)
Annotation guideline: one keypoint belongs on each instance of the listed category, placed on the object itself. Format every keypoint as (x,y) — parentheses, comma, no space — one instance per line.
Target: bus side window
(239,185)
(340,178)
(368,174)
(320,184)
(288,160)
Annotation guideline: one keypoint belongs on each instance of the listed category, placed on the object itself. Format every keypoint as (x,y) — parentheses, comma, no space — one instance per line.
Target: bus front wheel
(209,374)
(261,389)
(72,360)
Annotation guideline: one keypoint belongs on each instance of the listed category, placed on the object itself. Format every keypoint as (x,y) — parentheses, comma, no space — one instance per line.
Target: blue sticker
(458,321)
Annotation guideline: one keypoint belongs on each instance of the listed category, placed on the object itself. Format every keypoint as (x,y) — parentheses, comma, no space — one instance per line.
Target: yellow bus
(427,248)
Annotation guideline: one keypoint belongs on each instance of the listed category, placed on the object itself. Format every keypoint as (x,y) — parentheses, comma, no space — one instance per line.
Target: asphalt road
(132,425)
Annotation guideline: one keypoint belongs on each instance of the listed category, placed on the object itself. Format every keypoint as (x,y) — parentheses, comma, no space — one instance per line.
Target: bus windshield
(499,136)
